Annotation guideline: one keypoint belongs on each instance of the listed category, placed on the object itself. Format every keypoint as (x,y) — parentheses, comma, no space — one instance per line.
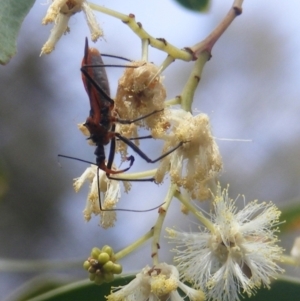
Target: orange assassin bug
(101,122)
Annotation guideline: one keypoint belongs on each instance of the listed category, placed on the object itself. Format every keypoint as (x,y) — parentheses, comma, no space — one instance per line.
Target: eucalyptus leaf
(88,291)
(12,14)
(281,290)
(291,218)
(196,5)
(81,290)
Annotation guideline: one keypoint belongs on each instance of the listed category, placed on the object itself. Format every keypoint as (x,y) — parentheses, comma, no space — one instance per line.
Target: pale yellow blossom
(60,12)
(160,282)
(197,161)
(238,255)
(110,195)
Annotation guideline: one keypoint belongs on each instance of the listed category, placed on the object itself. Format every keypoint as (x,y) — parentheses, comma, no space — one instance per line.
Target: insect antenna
(116,56)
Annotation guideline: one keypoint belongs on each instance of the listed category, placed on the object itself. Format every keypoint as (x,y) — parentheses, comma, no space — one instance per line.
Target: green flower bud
(109,277)
(95,252)
(92,270)
(93,262)
(86,265)
(99,280)
(109,250)
(108,267)
(92,277)
(103,258)
(98,272)
(117,268)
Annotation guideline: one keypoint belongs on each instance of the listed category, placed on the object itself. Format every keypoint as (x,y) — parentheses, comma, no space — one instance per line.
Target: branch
(189,53)
(137,28)
(207,44)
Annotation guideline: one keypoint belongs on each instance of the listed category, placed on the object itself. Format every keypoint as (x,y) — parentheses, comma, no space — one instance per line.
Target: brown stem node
(238,10)
(191,52)
(197,78)
(161,210)
(162,40)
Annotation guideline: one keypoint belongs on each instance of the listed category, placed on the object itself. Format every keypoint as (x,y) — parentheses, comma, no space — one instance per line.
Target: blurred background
(250,90)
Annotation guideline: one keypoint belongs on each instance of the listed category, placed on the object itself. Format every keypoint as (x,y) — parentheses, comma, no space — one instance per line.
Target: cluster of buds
(101,265)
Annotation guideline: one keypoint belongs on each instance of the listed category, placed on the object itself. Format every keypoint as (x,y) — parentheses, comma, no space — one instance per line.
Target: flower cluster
(160,282)
(101,265)
(140,93)
(238,254)
(198,161)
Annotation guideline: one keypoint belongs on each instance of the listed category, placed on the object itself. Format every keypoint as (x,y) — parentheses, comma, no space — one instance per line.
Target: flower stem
(188,54)
(145,46)
(207,223)
(286,259)
(160,220)
(188,91)
(169,60)
(173,101)
(137,28)
(134,245)
(137,175)
(109,12)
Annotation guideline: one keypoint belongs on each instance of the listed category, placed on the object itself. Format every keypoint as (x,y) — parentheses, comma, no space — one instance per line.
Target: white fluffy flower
(197,161)
(110,194)
(237,255)
(157,283)
(60,12)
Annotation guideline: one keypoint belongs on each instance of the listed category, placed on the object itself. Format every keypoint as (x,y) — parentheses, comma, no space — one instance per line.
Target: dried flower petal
(60,12)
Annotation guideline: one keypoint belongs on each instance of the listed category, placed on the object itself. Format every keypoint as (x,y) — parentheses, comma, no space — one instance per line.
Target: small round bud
(108,267)
(93,262)
(92,270)
(98,273)
(99,280)
(95,252)
(103,258)
(113,258)
(107,249)
(117,268)
(92,277)
(86,265)
(109,277)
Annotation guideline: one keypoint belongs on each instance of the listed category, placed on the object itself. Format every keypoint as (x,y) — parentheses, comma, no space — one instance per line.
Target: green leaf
(196,5)
(88,291)
(281,290)
(12,14)
(291,217)
(81,290)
